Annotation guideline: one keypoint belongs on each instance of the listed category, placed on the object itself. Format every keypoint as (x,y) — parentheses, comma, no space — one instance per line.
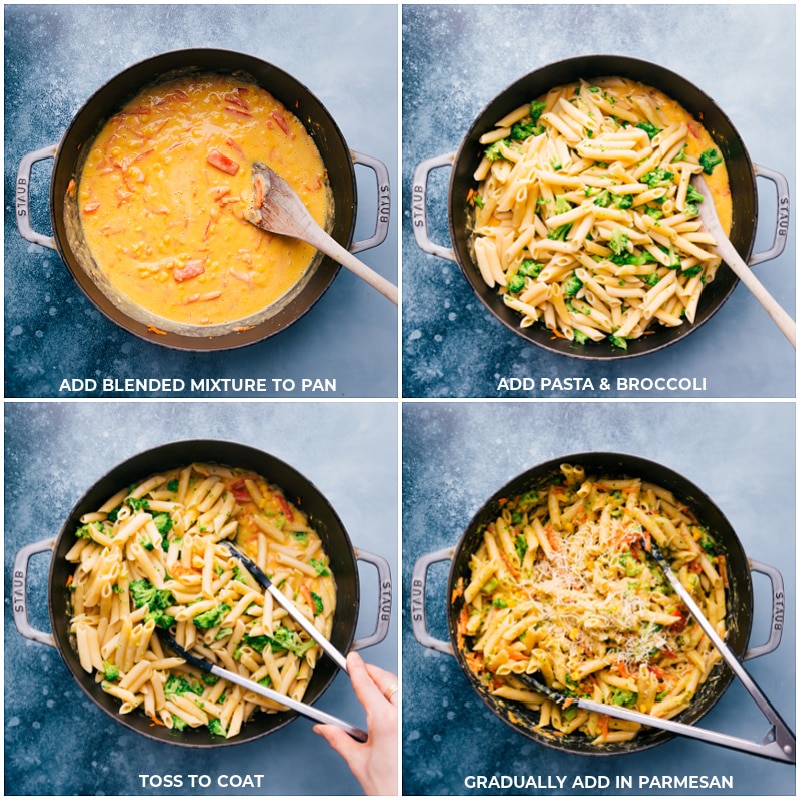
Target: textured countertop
(457,455)
(57,56)
(57,742)
(457,58)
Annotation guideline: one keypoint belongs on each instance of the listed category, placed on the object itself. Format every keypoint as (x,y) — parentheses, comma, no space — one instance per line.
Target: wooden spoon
(708,214)
(281,211)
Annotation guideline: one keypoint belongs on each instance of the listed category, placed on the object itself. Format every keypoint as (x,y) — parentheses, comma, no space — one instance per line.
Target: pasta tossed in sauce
(563,588)
(585,219)
(152,557)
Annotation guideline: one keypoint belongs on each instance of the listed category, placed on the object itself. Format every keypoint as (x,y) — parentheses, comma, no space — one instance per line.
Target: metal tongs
(252,686)
(291,609)
(779,743)
(303,621)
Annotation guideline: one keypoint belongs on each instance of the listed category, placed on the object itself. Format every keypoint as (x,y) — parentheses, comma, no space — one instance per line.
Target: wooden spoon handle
(746,276)
(326,244)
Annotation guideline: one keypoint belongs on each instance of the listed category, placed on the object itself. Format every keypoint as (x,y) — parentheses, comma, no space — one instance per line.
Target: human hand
(374,762)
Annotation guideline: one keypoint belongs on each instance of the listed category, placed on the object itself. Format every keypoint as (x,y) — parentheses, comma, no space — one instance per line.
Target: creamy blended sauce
(164,188)
(698,141)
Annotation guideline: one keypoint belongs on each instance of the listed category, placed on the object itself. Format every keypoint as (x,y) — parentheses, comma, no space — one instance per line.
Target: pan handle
(20,591)
(778,610)
(23,206)
(385,602)
(782,223)
(384,201)
(419,581)
(419,206)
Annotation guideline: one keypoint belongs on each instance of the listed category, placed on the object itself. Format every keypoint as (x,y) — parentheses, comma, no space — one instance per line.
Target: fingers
(340,741)
(369,683)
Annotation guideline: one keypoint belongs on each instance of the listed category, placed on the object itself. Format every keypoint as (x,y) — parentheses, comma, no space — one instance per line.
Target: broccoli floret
(110,671)
(573,285)
(157,600)
(212,617)
(618,341)
(559,234)
(626,257)
(529,498)
(631,566)
(562,205)
(709,159)
(537,107)
(181,684)
(285,639)
(493,151)
(692,195)
(522,130)
(623,697)
(215,728)
(708,544)
(258,643)
(654,213)
(651,279)
(623,201)
(319,607)
(530,268)
(680,155)
(657,177)
(579,336)
(320,566)
(516,284)
(603,199)
(178,724)
(172,486)
(521,545)
(85,531)
(618,241)
(648,128)
(137,503)
(163,523)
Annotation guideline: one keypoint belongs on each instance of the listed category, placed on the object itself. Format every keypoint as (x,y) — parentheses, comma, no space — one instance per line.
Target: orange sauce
(163,192)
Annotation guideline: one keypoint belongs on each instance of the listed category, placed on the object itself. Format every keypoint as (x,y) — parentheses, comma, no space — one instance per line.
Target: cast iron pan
(297,489)
(739,593)
(696,102)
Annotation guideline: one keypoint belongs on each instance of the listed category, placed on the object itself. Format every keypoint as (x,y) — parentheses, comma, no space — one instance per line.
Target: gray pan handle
(419,206)
(782,222)
(384,614)
(778,610)
(419,620)
(384,201)
(23,206)
(20,593)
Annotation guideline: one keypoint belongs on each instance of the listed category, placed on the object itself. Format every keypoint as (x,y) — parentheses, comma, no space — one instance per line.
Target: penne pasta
(597,174)
(589,611)
(151,557)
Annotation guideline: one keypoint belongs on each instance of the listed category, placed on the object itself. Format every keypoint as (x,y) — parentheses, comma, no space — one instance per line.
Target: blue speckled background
(57,56)
(56,740)
(456,455)
(456,59)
